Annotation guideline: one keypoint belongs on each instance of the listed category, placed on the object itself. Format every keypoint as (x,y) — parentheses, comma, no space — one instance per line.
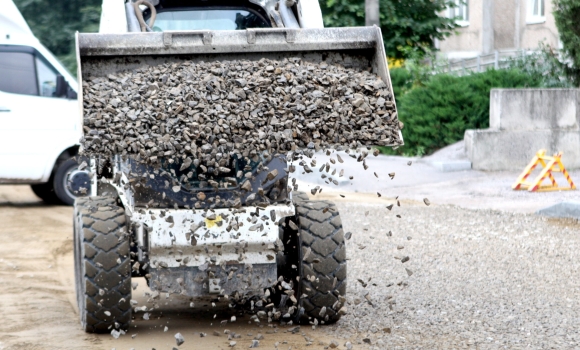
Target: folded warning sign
(550,165)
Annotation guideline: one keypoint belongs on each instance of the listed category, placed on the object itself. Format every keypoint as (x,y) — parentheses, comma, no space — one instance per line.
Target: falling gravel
(179,339)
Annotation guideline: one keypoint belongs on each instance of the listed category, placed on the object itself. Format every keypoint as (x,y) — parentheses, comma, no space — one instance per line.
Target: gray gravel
(188,112)
(481,279)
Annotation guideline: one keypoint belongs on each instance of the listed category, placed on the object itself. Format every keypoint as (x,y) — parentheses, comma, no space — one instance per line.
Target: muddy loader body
(243,235)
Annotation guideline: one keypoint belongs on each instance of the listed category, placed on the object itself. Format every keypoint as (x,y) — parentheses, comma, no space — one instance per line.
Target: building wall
(532,35)
(504,23)
(511,29)
(467,41)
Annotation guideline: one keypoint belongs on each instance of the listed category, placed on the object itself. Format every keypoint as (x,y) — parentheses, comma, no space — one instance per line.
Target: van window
(46,78)
(18,73)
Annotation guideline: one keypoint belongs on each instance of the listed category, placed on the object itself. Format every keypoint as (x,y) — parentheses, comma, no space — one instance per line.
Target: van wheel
(70,183)
(45,192)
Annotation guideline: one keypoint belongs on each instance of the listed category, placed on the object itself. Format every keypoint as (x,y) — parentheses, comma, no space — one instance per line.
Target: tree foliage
(567,15)
(54,23)
(406,24)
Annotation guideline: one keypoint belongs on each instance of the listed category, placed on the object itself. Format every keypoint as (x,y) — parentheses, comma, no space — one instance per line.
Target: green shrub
(438,113)
(543,65)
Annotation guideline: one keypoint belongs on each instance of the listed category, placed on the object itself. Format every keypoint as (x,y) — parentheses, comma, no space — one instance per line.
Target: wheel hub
(79,183)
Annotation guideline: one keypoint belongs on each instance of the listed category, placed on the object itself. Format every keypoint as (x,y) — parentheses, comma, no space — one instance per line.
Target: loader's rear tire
(102,265)
(319,253)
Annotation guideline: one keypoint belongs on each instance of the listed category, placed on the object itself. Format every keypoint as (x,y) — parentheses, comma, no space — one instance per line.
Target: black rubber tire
(289,257)
(60,175)
(46,193)
(323,283)
(102,265)
(299,196)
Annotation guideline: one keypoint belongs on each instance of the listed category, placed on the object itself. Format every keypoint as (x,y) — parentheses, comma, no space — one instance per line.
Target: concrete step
(497,150)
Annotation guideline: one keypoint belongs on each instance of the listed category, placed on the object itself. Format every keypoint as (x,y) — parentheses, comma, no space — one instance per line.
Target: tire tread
(108,282)
(320,220)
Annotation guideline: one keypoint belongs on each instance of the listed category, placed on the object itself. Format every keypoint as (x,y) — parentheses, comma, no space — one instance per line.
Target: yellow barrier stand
(549,165)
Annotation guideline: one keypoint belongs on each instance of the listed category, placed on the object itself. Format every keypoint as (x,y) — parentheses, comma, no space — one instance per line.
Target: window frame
(35,55)
(23,49)
(461,6)
(256,10)
(532,18)
(42,60)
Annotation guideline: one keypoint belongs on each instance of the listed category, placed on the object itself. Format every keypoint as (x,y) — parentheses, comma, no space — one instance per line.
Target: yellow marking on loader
(211,223)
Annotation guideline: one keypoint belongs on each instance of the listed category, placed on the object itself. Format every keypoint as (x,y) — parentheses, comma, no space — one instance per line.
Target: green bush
(438,113)
(543,65)
(437,108)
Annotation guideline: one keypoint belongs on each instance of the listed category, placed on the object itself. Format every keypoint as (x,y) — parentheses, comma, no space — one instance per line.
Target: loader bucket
(105,56)
(358,47)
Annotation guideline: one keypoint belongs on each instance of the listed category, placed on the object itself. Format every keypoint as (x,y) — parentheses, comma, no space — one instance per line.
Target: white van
(40,123)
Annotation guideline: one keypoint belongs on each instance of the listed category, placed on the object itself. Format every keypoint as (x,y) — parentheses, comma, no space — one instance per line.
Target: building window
(460,12)
(536,11)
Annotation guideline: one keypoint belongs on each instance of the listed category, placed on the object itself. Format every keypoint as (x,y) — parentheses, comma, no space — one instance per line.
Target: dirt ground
(38,306)
(37,296)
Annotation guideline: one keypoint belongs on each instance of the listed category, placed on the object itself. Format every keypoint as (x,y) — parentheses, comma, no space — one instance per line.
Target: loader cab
(204,15)
(184,15)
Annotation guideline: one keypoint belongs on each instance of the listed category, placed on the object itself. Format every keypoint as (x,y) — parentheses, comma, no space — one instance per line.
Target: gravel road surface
(481,279)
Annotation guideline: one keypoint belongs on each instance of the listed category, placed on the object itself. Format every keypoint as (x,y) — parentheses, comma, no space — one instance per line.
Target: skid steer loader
(293,268)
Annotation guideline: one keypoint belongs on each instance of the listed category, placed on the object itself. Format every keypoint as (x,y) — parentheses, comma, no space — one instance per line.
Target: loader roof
(260,7)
